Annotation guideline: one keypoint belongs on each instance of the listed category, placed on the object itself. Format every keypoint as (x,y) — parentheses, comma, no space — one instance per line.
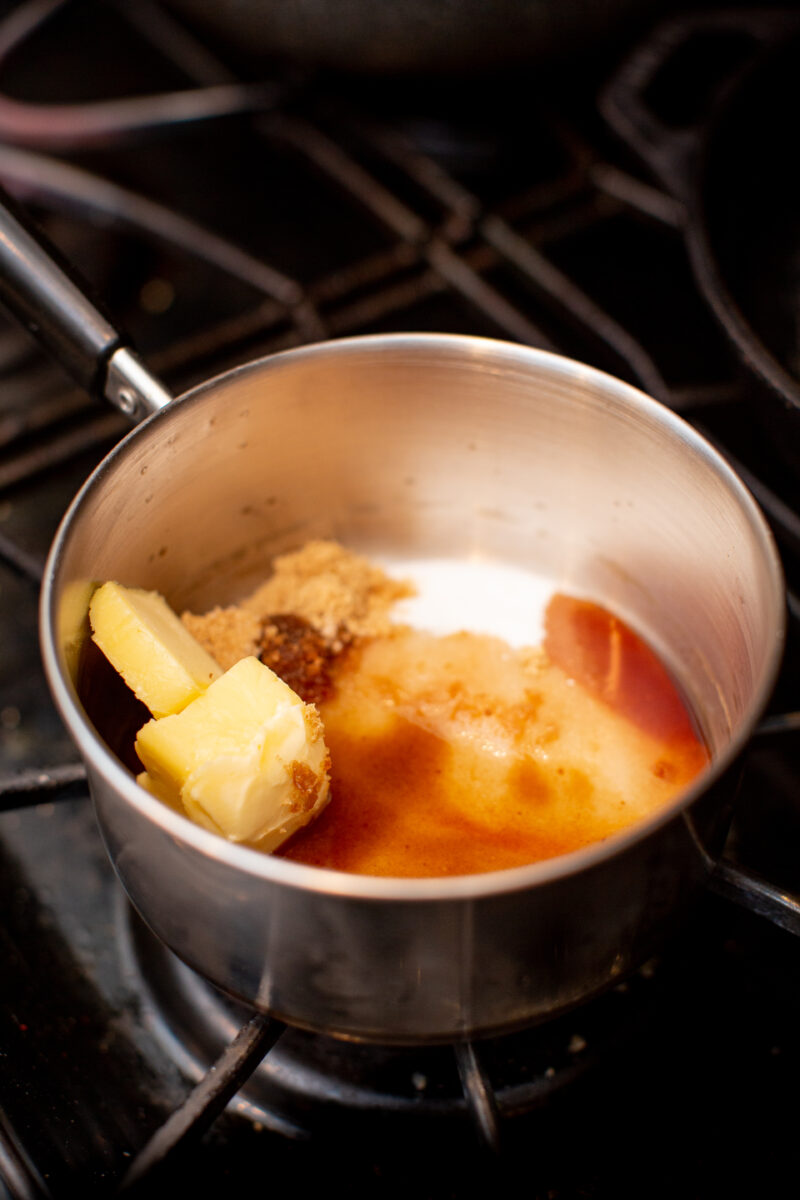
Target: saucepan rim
(290,874)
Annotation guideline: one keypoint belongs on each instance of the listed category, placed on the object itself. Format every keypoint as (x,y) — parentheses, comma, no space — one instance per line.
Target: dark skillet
(735,172)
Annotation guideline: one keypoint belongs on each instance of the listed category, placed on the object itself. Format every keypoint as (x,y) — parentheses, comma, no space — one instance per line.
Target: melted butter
(457,754)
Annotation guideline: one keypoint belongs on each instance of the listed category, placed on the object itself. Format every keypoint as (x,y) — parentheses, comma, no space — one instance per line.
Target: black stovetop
(334,205)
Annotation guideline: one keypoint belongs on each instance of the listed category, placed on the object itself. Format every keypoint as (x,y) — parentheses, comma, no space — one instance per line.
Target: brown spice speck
(305,785)
(299,654)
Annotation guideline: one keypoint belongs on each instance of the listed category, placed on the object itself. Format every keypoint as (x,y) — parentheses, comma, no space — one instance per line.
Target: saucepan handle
(670,150)
(44,294)
(757,895)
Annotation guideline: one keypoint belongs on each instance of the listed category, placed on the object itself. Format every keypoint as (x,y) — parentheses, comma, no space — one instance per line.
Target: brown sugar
(228,634)
(317,600)
(332,588)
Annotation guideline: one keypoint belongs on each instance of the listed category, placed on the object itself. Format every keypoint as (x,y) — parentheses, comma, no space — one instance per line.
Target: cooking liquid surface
(459,754)
(462,752)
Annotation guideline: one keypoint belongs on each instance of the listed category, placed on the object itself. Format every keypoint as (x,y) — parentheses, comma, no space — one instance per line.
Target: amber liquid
(111,705)
(458,755)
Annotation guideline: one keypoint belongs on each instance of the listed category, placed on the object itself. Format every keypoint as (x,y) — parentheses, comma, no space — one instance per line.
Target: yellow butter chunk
(246,759)
(148,644)
(159,790)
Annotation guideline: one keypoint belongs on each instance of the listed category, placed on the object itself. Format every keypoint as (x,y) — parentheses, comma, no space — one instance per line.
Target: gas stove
(222,215)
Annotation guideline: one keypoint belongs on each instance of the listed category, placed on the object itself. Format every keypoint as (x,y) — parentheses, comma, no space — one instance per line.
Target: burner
(681,1044)
(305,1074)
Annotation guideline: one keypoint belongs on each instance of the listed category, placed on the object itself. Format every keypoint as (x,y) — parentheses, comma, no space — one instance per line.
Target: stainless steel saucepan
(411,445)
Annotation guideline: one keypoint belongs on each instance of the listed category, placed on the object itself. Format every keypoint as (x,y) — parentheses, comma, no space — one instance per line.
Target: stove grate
(433,241)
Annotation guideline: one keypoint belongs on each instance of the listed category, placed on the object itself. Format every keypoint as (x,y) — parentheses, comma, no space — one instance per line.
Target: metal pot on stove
(425,445)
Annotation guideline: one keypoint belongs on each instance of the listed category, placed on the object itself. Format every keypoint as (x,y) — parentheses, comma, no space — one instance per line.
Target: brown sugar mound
(337,593)
(228,634)
(332,588)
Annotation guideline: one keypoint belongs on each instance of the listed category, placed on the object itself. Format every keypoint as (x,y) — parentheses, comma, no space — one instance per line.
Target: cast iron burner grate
(313,1087)
(294,1088)
(341,207)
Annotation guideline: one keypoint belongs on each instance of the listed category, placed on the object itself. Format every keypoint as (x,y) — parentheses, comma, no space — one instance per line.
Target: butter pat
(246,759)
(149,646)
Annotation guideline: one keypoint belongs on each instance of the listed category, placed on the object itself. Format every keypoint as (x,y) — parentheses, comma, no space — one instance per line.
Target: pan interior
(442,448)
